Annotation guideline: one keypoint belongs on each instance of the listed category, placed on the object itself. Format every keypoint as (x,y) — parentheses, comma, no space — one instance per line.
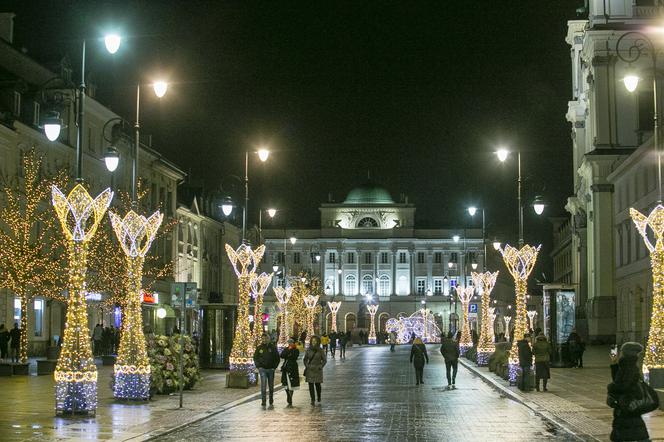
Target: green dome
(369,194)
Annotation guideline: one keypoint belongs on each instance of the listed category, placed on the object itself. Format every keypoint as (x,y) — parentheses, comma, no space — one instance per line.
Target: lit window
(420,257)
(39,317)
(420,286)
(402,257)
(438,286)
(351,258)
(296,257)
(350,288)
(17,309)
(367,285)
(384,285)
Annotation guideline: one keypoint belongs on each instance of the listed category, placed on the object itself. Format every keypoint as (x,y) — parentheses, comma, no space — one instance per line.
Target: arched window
(384,285)
(367,222)
(367,285)
(351,286)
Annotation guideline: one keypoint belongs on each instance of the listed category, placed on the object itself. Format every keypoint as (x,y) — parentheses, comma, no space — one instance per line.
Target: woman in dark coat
(418,354)
(314,361)
(290,373)
(542,353)
(626,374)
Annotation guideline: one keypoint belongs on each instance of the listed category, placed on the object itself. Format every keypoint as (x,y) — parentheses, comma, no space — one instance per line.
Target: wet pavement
(372,396)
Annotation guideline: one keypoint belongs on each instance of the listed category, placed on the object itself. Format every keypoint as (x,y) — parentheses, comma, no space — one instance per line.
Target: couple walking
(450,351)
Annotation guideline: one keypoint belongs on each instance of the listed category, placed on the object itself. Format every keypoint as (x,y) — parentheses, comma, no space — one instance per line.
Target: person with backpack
(450,351)
(418,354)
(266,359)
(629,396)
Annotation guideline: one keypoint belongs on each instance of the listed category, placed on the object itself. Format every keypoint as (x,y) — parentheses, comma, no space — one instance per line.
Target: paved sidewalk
(27,410)
(576,399)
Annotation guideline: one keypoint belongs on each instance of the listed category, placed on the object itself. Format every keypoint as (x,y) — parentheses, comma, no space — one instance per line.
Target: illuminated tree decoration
(259,285)
(465,294)
(492,327)
(31,258)
(654,352)
(334,308)
(132,368)
(245,260)
(507,320)
(531,318)
(283,296)
(520,263)
(310,302)
(75,373)
(485,346)
(419,324)
(373,308)
(298,314)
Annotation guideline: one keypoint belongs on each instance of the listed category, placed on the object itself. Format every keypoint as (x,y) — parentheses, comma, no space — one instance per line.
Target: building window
(332,257)
(402,257)
(313,257)
(438,286)
(384,258)
(438,257)
(351,258)
(367,285)
(367,258)
(420,257)
(351,285)
(454,258)
(296,257)
(279,282)
(421,284)
(384,285)
(17,310)
(39,317)
(280,257)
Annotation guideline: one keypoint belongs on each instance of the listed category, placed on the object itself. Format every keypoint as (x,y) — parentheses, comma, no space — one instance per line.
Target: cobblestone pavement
(27,410)
(372,396)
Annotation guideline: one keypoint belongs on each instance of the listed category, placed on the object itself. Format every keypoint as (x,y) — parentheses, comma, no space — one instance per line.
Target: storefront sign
(150,297)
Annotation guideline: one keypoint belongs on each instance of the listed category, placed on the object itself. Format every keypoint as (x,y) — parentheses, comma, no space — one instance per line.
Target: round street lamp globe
(263,154)
(339,271)
(161,313)
(160,88)
(631,82)
(502,154)
(112,43)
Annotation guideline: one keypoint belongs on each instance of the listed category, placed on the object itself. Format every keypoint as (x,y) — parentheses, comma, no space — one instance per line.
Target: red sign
(148,297)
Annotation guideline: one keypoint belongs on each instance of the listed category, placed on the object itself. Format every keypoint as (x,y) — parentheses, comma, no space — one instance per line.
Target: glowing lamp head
(423,302)
(111,159)
(502,154)
(631,82)
(538,205)
(303,280)
(263,154)
(456,238)
(271,212)
(317,257)
(339,271)
(293,240)
(496,245)
(474,265)
(160,88)
(161,313)
(472,210)
(52,126)
(275,268)
(112,43)
(429,292)
(227,206)
(450,264)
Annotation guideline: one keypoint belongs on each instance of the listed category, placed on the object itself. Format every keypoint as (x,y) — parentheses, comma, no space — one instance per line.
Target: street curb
(151,435)
(531,405)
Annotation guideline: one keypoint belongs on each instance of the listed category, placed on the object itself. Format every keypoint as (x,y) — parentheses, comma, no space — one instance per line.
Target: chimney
(7,26)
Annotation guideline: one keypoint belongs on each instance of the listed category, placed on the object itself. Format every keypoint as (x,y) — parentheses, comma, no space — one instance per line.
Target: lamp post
(472,210)
(271,213)
(263,154)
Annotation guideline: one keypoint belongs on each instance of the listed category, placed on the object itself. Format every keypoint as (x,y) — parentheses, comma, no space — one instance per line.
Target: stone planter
(21,369)
(237,380)
(46,367)
(6,370)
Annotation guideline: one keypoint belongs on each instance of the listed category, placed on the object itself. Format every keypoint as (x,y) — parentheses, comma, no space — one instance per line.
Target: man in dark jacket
(15,336)
(450,351)
(333,343)
(266,359)
(525,360)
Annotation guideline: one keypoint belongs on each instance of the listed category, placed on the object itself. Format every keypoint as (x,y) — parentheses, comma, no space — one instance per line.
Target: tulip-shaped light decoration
(485,346)
(310,302)
(334,308)
(465,294)
(283,295)
(373,308)
(259,285)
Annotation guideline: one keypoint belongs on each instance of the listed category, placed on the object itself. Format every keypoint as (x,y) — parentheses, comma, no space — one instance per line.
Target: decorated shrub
(164,354)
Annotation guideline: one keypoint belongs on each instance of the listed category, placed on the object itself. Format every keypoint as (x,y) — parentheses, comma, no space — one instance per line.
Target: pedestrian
(393,341)
(266,359)
(97,336)
(542,353)
(106,340)
(325,342)
(333,343)
(626,376)
(15,336)
(343,340)
(361,335)
(4,341)
(418,354)
(314,361)
(303,336)
(576,348)
(525,361)
(450,351)
(290,374)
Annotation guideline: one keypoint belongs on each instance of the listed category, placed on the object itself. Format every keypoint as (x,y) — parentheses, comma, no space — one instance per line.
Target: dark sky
(418,93)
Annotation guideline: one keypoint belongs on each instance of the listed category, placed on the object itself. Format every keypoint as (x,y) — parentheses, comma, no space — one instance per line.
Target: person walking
(97,336)
(343,340)
(4,341)
(314,361)
(266,359)
(393,341)
(542,353)
(325,342)
(361,336)
(15,336)
(450,351)
(290,373)
(418,354)
(525,361)
(333,343)
(576,348)
(626,375)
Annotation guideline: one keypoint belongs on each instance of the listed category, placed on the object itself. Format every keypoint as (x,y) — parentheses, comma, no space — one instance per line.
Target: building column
(394,272)
(429,271)
(411,266)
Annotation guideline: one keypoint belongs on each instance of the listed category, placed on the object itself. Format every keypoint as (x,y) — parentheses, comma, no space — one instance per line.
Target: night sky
(418,94)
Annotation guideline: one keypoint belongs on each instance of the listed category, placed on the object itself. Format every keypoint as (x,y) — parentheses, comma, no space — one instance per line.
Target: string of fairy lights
(334,309)
(465,295)
(485,344)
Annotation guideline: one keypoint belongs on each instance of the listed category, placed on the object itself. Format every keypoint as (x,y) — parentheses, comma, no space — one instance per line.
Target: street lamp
(263,154)
(456,238)
(472,210)
(111,158)
(52,126)
(271,213)
(293,240)
(502,154)
(631,82)
(160,88)
(496,244)
(227,206)
(112,42)
(538,205)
